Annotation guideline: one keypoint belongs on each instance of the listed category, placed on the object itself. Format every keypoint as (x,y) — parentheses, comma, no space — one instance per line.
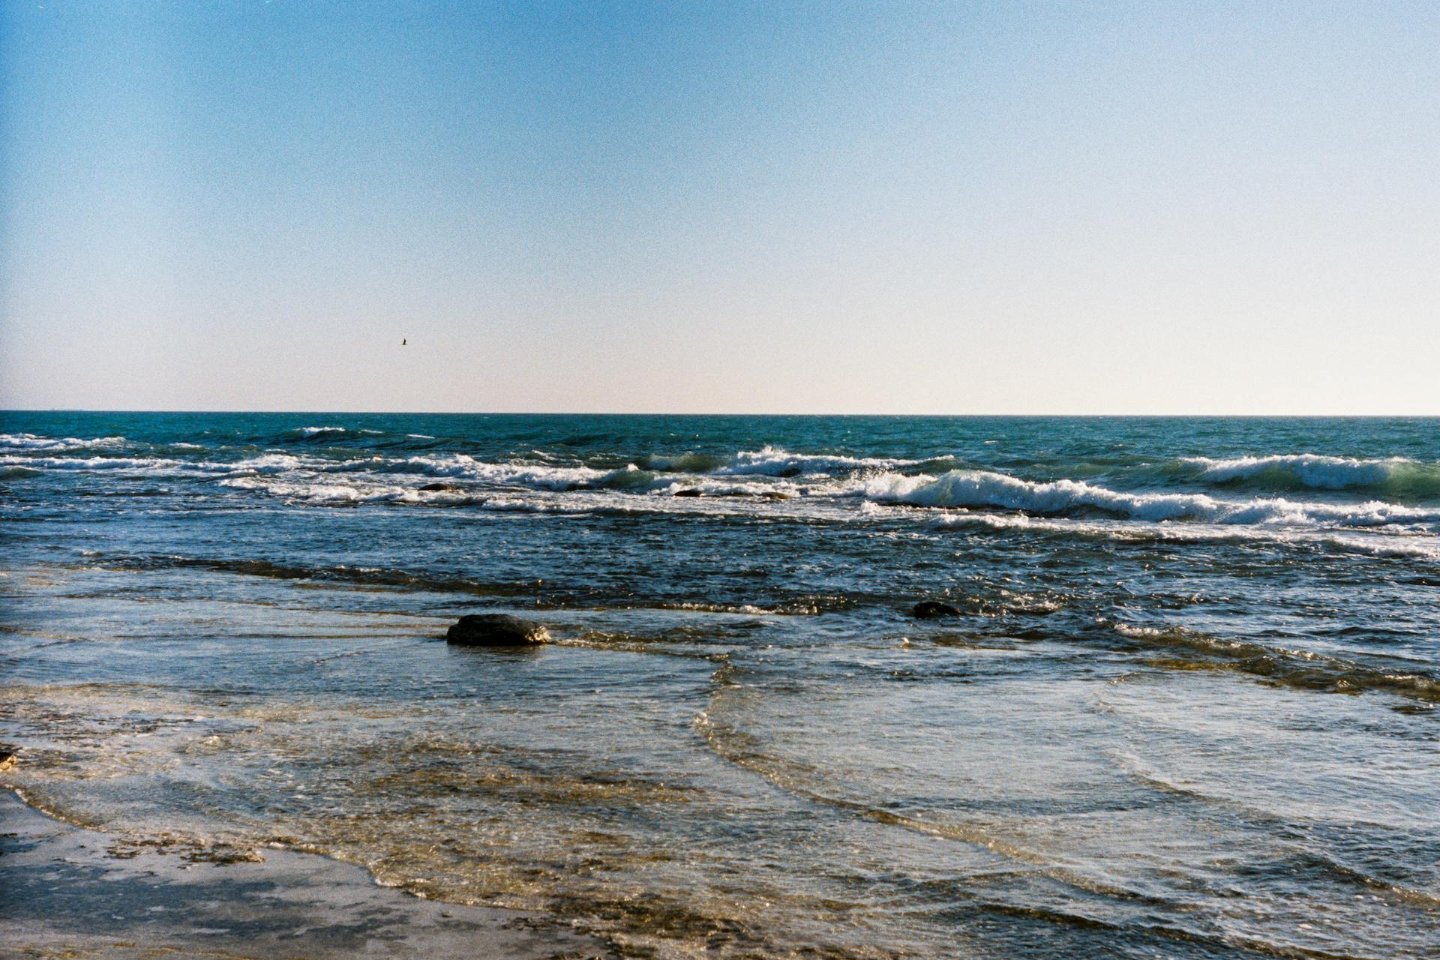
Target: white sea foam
(775,462)
(1380,543)
(152,466)
(323,492)
(638,494)
(331,493)
(315,431)
(978,488)
(30,441)
(829,483)
(299,470)
(569,478)
(266,463)
(120,464)
(461,467)
(304,479)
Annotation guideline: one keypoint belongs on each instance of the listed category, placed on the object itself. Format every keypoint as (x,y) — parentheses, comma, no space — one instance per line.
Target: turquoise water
(1186,707)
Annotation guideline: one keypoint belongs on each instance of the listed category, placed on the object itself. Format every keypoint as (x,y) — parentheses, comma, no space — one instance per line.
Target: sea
(1184,704)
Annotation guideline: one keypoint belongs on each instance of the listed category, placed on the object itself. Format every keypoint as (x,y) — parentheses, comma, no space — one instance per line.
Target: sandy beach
(74,893)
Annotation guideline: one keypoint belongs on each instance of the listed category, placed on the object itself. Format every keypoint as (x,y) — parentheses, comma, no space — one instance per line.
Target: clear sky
(885,207)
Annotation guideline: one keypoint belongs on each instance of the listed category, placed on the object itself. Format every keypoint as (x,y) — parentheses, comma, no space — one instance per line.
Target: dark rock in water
(689,492)
(930,609)
(441,486)
(496,630)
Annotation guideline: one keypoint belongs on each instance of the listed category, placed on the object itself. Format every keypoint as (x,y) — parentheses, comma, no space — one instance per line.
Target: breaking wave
(535,476)
(775,462)
(997,491)
(1394,493)
(123,464)
(1395,476)
(29,441)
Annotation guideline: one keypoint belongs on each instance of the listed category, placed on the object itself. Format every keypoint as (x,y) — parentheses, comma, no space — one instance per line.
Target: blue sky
(783,207)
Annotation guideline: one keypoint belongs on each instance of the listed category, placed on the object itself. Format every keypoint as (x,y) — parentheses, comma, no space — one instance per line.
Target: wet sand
(69,892)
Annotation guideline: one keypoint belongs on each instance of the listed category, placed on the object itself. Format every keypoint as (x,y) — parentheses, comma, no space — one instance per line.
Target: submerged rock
(689,492)
(930,609)
(496,630)
(438,485)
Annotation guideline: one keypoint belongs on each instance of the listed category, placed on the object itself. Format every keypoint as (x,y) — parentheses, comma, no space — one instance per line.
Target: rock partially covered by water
(930,609)
(496,630)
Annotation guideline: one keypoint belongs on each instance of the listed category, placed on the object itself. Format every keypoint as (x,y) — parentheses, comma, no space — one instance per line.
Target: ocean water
(1187,707)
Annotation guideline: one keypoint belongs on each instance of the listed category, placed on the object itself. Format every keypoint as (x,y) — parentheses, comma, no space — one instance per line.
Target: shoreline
(64,891)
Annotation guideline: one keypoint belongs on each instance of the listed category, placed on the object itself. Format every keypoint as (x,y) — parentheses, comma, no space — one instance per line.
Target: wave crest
(775,462)
(983,489)
(30,441)
(1395,475)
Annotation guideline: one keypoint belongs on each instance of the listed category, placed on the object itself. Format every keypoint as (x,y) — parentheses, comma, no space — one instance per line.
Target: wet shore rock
(496,630)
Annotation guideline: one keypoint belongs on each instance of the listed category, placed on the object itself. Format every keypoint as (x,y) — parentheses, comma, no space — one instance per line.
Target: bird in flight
(402,342)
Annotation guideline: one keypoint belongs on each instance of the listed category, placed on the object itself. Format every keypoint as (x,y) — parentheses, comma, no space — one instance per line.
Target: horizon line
(621,413)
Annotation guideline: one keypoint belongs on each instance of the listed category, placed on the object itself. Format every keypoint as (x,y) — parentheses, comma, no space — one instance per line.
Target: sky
(782,207)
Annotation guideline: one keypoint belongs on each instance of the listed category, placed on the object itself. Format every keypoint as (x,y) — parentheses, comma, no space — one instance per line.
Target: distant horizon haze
(758,414)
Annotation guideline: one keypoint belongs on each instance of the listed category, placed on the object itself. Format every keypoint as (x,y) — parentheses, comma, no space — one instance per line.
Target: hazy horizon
(758,414)
(1100,209)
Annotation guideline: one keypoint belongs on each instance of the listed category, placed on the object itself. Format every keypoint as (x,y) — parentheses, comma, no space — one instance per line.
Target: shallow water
(1187,708)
